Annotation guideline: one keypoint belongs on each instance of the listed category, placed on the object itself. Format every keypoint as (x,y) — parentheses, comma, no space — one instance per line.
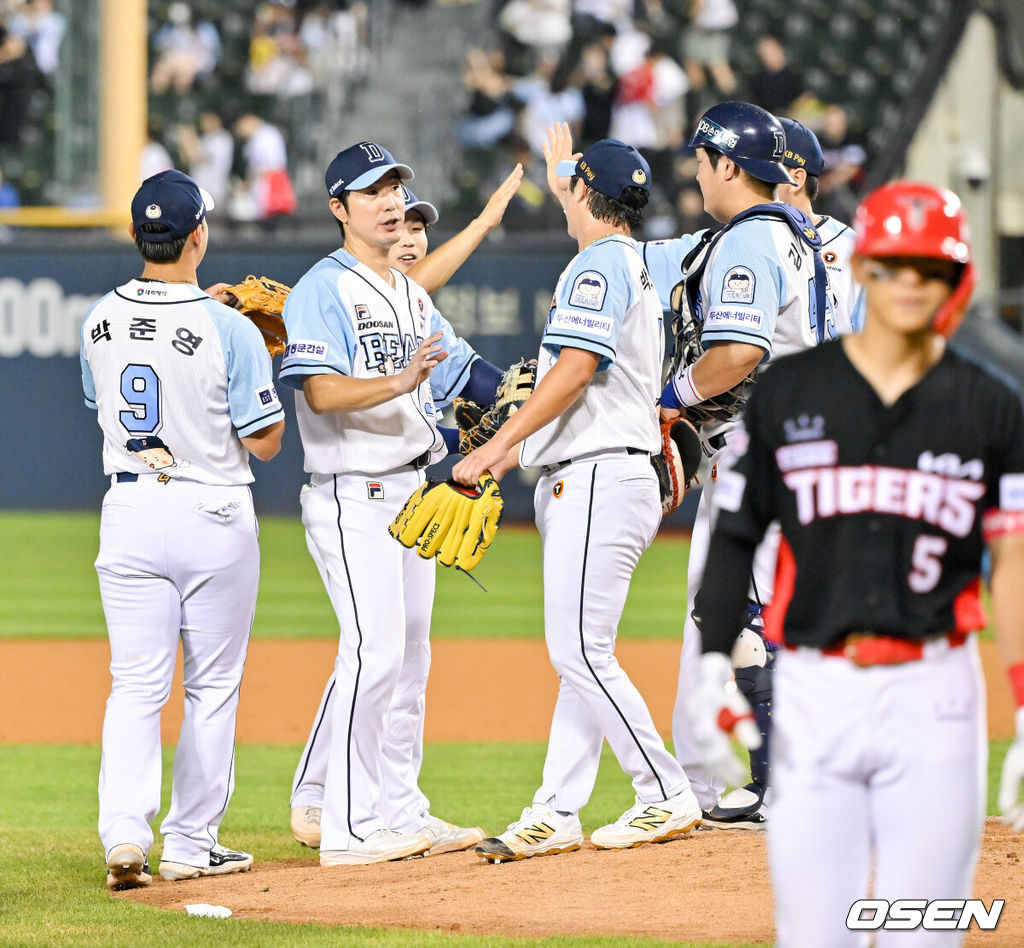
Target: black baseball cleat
(738,810)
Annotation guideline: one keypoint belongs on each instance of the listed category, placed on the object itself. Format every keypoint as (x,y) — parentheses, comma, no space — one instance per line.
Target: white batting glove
(1011,806)
(719,711)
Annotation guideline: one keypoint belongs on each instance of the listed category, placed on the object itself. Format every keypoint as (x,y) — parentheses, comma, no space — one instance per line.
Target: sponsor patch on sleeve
(738,286)
(570,321)
(305,350)
(746,319)
(589,290)
(267,397)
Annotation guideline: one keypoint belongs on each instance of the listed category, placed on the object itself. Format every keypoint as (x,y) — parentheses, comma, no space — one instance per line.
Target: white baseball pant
(177,561)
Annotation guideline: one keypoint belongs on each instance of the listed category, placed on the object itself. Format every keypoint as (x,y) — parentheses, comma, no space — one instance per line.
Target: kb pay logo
(910,914)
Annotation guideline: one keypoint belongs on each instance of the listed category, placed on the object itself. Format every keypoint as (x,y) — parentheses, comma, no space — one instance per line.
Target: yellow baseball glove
(262,301)
(452,522)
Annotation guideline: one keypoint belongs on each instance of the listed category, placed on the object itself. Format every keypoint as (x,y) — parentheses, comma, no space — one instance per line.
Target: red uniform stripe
(785,580)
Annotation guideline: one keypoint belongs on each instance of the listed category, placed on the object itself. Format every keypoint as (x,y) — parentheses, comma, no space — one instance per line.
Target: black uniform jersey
(881,507)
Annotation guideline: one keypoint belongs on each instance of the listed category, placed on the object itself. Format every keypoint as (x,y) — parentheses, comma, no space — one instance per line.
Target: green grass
(50,587)
(51,869)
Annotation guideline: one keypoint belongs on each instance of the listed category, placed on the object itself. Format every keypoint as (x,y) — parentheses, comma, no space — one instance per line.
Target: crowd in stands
(233,83)
(639,70)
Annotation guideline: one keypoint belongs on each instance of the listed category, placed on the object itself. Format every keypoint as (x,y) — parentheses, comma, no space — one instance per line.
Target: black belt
(717,442)
(123,477)
(423,460)
(551,468)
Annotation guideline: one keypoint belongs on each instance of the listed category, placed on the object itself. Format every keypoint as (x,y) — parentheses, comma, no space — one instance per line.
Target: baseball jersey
(342,318)
(177,378)
(837,240)
(884,508)
(605,303)
(664,262)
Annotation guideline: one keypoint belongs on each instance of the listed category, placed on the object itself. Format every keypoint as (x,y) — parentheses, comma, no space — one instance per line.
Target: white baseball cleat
(650,823)
(127,868)
(449,838)
(222,862)
(380,846)
(540,831)
(305,823)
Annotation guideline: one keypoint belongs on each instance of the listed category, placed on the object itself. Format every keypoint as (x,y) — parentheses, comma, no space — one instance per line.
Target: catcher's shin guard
(754,680)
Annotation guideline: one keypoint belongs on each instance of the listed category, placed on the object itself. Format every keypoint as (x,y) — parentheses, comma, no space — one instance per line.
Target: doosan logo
(935,915)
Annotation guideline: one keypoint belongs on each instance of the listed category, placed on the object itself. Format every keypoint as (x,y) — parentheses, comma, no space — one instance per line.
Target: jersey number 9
(140,388)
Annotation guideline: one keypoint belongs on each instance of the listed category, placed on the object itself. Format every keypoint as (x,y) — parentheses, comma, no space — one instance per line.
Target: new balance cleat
(650,823)
(222,862)
(127,868)
(540,831)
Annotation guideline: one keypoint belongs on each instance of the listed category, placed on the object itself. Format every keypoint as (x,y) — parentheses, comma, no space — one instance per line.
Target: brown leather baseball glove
(262,301)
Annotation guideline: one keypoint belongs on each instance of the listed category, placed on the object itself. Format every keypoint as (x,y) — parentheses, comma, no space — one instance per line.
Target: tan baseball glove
(262,301)
(478,423)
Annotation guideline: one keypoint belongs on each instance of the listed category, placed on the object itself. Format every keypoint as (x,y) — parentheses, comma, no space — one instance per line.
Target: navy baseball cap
(359,166)
(802,148)
(609,166)
(426,209)
(173,199)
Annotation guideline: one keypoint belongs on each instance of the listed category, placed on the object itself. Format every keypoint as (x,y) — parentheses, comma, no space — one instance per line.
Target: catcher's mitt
(677,464)
(452,522)
(478,423)
(262,300)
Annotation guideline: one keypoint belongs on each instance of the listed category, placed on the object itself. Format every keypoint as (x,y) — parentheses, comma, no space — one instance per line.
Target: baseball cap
(426,209)
(802,148)
(173,199)
(359,165)
(609,166)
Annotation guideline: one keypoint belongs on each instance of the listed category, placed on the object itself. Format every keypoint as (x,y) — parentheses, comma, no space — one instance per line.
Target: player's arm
(334,392)
(719,368)
(558,147)
(560,388)
(437,267)
(266,442)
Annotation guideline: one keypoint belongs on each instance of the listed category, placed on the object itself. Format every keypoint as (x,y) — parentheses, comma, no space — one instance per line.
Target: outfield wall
(51,459)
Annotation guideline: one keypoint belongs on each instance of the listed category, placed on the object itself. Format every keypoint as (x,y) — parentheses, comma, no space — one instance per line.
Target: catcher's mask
(909,219)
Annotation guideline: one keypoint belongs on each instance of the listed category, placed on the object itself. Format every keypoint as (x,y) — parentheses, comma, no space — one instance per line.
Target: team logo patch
(556,491)
(374,490)
(1011,492)
(639,176)
(830,256)
(267,397)
(804,428)
(589,290)
(738,286)
(305,350)
(153,211)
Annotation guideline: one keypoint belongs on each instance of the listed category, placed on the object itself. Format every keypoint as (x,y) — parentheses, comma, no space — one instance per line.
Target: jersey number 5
(140,388)
(926,563)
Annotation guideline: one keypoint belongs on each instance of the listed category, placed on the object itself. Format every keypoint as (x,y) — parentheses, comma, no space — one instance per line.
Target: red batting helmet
(908,219)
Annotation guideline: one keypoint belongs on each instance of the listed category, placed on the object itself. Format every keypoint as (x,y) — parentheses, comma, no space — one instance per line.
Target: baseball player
(408,254)
(889,461)
(373,363)
(752,290)
(590,427)
(804,159)
(183,392)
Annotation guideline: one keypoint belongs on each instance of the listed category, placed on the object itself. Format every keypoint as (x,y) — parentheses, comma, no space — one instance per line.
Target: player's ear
(131,230)
(338,209)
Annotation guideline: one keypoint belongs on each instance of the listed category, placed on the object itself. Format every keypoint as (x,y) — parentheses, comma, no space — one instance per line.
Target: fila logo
(536,833)
(650,819)
(374,490)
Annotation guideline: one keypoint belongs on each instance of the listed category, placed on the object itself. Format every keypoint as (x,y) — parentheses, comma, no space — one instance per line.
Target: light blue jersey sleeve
(88,383)
(744,285)
(594,295)
(320,335)
(664,262)
(451,376)
(252,398)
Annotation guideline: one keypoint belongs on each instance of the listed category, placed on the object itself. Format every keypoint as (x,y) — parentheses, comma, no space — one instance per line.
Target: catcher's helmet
(909,219)
(748,135)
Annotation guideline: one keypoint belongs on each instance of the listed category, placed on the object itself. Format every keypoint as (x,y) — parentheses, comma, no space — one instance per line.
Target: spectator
(706,44)
(492,107)
(209,155)
(599,87)
(844,165)
(8,193)
(18,77)
(547,98)
(155,157)
(43,28)
(267,193)
(649,109)
(184,50)
(277,56)
(533,27)
(334,38)
(776,85)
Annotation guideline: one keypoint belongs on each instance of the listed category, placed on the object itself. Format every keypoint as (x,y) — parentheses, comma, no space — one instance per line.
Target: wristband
(685,390)
(668,398)
(1016,673)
